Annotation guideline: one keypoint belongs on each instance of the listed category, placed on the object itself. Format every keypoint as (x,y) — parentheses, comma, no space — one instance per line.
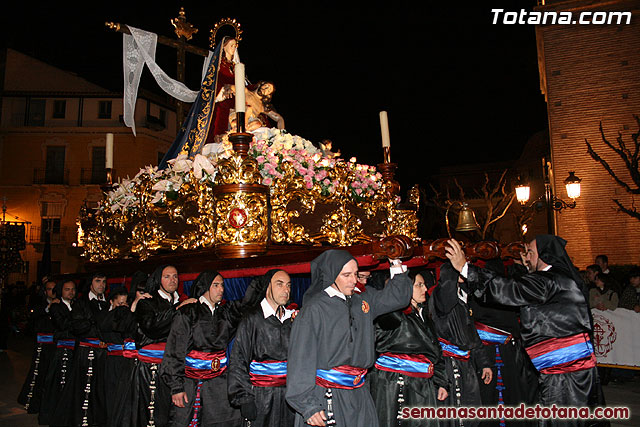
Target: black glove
(249,411)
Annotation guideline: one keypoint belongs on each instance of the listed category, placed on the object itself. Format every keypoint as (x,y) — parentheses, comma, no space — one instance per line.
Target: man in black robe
(194,367)
(333,342)
(83,401)
(554,318)
(462,348)
(124,402)
(154,316)
(258,363)
(31,393)
(62,361)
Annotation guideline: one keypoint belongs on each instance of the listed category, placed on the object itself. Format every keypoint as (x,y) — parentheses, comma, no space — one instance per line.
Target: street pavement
(14,365)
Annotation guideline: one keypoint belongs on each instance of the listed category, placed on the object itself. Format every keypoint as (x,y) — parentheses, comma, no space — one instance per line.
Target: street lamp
(552,202)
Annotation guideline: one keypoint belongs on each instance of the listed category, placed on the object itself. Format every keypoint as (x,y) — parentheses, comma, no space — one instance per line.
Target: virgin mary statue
(209,114)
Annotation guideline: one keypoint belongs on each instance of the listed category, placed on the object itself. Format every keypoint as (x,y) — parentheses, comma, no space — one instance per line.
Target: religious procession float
(239,194)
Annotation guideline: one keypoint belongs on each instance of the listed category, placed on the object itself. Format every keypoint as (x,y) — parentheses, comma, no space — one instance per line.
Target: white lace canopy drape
(139,48)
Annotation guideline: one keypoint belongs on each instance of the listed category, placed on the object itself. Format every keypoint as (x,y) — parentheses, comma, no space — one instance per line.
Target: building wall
(23,153)
(590,74)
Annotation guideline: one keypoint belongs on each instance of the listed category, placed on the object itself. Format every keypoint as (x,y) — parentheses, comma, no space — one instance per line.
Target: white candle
(108,157)
(384,129)
(239,80)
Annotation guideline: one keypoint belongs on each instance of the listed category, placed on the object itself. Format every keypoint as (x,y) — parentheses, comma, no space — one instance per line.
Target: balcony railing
(51,176)
(58,235)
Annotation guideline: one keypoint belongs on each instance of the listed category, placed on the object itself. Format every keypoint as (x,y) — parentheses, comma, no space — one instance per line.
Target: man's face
(69,290)
(603,265)
(346,280)
(169,280)
(363,277)
(635,281)
(118,301)
(591,275)
(279,289)
(216,290)
(50,289)
(534,263)
(98,285)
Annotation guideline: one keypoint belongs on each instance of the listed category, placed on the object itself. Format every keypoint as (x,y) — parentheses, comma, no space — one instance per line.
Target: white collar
(333,292)
(607,271)
(67,303)
(94,296)
(267,311)
(166,296)
(204,300)
(547,268)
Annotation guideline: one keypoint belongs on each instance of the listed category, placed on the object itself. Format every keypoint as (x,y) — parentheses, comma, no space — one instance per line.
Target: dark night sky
(458,89)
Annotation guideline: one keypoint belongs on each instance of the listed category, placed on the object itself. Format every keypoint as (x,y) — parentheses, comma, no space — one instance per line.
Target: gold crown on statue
(221,23)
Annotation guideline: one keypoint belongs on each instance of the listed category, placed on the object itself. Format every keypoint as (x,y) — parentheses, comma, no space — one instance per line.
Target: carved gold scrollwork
(238,170)
(285,190)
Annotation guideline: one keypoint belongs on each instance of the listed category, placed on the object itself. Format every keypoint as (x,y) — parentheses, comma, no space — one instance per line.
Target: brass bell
(467,219)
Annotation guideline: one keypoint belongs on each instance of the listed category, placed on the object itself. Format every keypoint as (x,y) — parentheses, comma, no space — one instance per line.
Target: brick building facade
(591,74)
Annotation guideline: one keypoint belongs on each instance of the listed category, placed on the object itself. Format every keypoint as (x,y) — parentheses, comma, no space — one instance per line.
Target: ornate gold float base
(241,227)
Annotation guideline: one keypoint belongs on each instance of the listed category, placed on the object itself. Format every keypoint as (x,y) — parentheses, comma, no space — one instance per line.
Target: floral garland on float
(174,208)
(273,149)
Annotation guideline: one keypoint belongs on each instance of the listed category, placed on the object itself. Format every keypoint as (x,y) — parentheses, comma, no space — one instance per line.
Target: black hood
(325,268)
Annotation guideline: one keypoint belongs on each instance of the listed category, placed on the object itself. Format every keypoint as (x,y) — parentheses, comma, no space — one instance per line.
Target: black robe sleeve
(396,295)
(153,322)
(82,321)
(302,363)
(178,345)
(60,316)
(239,384)
(528,289)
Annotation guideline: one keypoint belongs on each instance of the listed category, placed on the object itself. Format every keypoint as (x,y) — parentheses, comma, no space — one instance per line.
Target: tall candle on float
(241,105)
(386,140)
(108,158)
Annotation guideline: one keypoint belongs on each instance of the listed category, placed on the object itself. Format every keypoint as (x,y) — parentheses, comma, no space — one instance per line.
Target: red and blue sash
(92,342)
(44,338)
(115,349)
(561,355)
(152,353)
(490,335)
(68,344)
(129,349)
(268,373)
(450,350)
(344,377)
(201,365)
(413,365)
